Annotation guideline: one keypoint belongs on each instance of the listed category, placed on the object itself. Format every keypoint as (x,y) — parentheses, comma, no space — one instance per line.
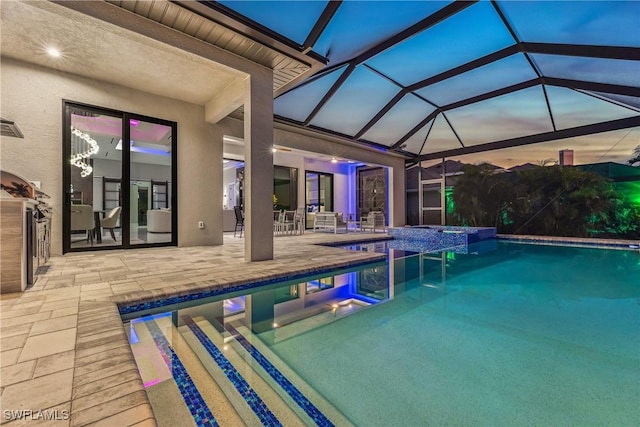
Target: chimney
(566,157)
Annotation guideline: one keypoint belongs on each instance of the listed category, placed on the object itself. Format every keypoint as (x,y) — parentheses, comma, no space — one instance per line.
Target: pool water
(514,335)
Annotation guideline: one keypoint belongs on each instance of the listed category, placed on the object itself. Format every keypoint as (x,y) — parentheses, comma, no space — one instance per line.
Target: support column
(258,166)
(398,195)
(259,311)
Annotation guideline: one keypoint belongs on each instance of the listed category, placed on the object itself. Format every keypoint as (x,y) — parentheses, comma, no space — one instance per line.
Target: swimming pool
(515,335)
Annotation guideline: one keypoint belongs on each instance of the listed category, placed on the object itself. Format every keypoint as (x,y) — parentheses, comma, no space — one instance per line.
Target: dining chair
(109,222)
(239,220)
(82,219)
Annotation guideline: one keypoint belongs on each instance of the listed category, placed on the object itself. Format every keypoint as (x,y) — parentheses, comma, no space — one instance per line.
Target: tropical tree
(552,201)
(482,197)
(561,201)
(635,160)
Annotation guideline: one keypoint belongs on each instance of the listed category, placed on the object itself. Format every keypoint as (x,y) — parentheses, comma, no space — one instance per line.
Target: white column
(258,157)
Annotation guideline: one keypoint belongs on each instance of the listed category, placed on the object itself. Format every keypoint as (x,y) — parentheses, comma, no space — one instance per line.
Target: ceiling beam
(514,36)
(328,132)
(321,24)
(608,126)
(586,51)
(494,93)
(594,86)
(549,110)
(416,128)
(464,102)
(327,96)
(381,113)
(476,63)
(431,20)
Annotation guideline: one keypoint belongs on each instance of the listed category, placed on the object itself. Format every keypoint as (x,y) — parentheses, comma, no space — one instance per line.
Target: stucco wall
(32,97)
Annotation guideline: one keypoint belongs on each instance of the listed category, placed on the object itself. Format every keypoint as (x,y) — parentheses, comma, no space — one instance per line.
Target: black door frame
(125,218)
(306,205)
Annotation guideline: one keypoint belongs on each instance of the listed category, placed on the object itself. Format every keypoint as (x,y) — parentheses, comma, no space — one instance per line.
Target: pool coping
(584,242)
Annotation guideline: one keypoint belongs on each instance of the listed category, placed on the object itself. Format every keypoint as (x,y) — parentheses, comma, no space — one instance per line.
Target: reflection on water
(530,334)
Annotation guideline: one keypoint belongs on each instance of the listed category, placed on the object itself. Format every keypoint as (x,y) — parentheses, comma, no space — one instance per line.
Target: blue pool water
(508,335)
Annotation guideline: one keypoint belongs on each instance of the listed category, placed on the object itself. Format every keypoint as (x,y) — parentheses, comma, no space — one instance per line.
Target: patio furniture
(374,221)
(109,222)
(299,220)
(239,220)
(82,219)
(329,221)
(277,222)
(288,222)
(159,221)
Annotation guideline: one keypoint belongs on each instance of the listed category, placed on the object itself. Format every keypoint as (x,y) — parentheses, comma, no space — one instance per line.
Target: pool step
(161,355)
(251,396)
(294,389)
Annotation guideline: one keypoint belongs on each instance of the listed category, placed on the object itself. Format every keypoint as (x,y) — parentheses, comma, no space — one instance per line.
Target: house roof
(433,79)
(524,166)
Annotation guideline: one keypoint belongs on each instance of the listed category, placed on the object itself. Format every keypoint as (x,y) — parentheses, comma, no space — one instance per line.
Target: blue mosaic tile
(150,305)
(248,394)
(192,398)
(301,400)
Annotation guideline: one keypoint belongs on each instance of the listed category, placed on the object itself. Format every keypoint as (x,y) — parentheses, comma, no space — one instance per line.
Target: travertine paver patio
(63,344)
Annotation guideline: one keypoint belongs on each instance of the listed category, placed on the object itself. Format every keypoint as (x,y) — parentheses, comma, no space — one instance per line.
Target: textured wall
(32,97)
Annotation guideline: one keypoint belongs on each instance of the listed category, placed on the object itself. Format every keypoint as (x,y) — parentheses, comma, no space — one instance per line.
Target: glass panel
(301,16)
(318,195)
(468,35)
(432,217)
(372,191)
(95,179)
(319,285)
(630,101)
(232,173)
(571,108)
(298,103)
(358,25)
(441,137)
(326,193)
(150,186)
(431,195)
(414,144)
(403,117)
(613,71)
(358,100)
(612,23)
(509,116)
(509,71)
(285,188)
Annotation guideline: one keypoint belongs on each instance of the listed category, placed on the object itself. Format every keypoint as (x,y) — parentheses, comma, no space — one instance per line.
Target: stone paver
(64,336)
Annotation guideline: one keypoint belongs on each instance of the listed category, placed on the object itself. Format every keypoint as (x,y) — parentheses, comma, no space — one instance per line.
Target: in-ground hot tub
(444,237)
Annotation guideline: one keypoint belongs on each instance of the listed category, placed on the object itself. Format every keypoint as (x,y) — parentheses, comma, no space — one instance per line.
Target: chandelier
(82,148)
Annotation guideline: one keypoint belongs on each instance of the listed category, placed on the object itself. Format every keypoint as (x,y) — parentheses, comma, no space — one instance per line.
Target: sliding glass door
(101,211)
(93,175)
(318,194)
(150,182)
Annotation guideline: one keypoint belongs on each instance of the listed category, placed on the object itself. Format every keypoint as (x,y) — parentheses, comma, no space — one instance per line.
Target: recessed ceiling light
(334,160)
(52,51)
(274,149)
(225,161)
(350,161)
